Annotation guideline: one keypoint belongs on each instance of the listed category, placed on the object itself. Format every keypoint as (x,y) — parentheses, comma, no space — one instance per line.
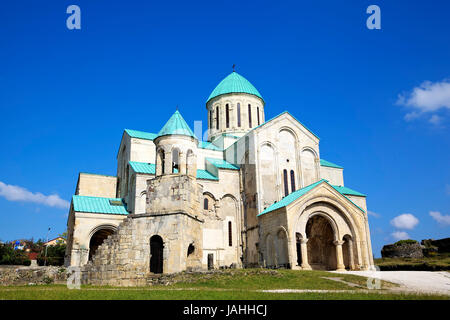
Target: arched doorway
(321,249)
(97,239)
(156,254)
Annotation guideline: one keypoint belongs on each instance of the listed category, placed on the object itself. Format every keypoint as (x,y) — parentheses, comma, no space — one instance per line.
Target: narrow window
(249,116)
(257,114)
(286,190)
(175,160)
(292,181)
(210,118)
(217,118)
(205,204)
(227,115)
(163,162)
(238,114)
(230,233)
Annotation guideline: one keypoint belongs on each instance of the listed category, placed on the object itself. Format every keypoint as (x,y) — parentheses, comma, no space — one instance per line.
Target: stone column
(167,163)
(350,252)
(159,164)
(339,256)
(182,163)
(304,250)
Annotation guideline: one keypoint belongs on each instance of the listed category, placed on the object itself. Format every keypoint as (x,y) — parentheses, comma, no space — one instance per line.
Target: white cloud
(371,213)
(405,221)
(440,218)
(400,235)
(435,119)
(428,97)
(16,193)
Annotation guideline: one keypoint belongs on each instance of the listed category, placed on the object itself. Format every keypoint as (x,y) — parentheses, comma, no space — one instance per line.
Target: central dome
(234,83)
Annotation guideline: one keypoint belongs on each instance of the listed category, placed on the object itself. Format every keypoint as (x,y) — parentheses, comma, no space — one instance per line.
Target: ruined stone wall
(124,258)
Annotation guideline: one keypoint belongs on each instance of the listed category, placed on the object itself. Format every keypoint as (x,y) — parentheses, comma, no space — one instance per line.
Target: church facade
(255,193)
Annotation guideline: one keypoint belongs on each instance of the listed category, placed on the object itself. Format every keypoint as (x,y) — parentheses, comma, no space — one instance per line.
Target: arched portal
(156,254)
(321,248)
(97,239)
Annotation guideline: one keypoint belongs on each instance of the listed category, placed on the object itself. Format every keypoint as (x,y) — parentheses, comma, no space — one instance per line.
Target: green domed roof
(234,83)
(176,125)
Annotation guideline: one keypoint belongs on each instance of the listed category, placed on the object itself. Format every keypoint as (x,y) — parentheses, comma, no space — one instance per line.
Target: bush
(9,256)
(408,241)
(55,255)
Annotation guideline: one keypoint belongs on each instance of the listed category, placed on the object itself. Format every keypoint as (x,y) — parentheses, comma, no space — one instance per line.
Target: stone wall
(404,250)
(20,275)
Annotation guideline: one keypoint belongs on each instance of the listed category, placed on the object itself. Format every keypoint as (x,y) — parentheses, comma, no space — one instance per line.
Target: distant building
(53,242)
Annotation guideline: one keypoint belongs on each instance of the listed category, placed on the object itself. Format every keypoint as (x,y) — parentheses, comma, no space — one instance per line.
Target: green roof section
(208,145)
(99,205)
(206,175)
(325,163)
(348,191)
(176,125)
(291,197)
(150,168)
(234,83)
(143,167)
(300,192)
(141,134)
(222,164)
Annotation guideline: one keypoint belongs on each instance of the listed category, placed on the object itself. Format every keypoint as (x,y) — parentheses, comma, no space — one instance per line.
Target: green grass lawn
(227,285)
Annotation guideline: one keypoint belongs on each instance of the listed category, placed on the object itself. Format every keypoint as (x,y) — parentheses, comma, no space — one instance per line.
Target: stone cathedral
(251,192)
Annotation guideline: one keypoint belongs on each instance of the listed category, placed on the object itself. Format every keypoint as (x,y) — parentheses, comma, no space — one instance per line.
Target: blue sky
(66,95)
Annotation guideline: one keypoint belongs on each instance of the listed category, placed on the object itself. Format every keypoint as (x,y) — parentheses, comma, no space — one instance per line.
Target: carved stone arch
(339,207)
(210,204)
(282,247)
(310,172)
(97,236)
(269,256)
(268,175)
(290,130)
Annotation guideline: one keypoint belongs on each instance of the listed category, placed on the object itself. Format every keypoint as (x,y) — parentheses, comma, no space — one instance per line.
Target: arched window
(227,115)
(285,177)
(210,118)
(205,203)
(257,114)
(230,234)
(217,118)
(238,114)
(292,181)
(249,116)
(175,160)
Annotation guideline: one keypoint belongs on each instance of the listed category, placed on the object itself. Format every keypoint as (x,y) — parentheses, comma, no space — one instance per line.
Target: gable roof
(222,164)
(176,125)
(283,113)
(98,205)
(141,134)
(143,167)
(325,163)
(234,83)
(300,192)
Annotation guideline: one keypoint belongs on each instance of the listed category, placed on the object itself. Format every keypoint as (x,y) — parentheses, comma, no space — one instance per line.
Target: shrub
(9,256)
(408,241)
(55,255)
